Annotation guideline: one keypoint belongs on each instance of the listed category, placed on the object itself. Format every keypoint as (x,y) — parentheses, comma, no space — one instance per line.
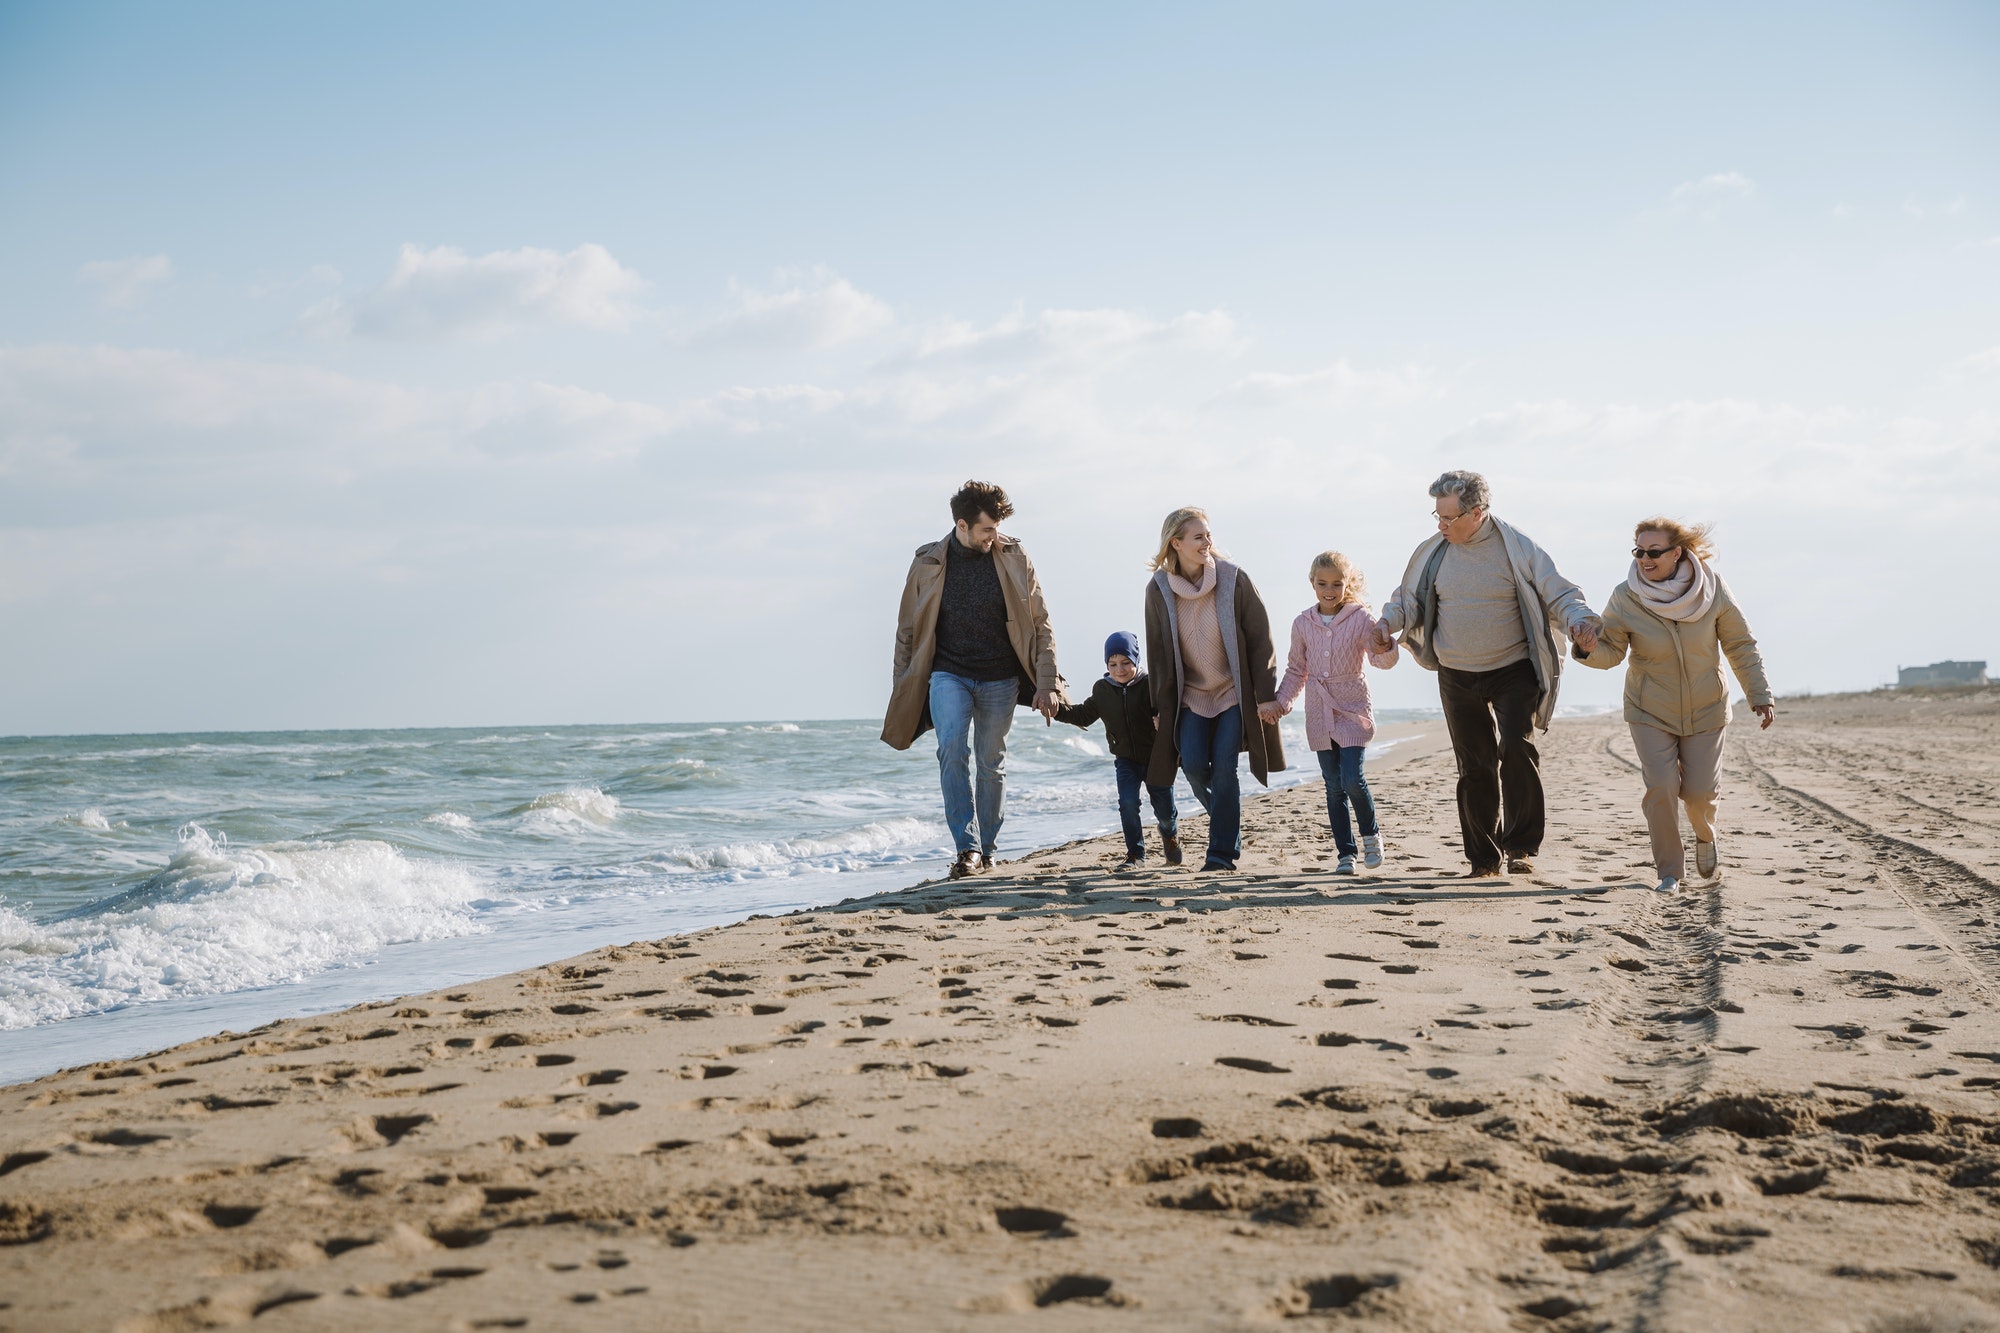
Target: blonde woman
(1676,620)
(1213,664)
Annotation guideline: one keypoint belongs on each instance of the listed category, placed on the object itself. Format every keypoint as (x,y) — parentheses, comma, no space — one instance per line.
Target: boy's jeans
(1209,749)
(1132,776)
(982,712)
(1341,767)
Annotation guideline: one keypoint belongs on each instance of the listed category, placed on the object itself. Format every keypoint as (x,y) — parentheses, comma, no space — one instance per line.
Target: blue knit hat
(1124,643)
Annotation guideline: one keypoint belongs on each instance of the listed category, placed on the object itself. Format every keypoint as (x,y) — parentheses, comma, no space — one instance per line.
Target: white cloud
(1708,196)
(1337,385)
(1977,366)
(813,309)
(122,283)
(319,275)
(1082,338)
(444,293)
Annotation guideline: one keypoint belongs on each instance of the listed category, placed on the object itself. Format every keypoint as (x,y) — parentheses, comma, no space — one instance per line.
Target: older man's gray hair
(1469,487)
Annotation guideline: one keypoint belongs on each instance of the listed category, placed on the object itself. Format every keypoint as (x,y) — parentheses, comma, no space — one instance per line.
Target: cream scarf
(1684,596)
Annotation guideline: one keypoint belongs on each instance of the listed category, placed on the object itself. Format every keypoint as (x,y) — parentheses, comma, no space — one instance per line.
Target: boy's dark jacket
(1127,713)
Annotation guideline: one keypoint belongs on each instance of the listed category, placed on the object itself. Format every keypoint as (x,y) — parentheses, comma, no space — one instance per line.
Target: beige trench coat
(909,714)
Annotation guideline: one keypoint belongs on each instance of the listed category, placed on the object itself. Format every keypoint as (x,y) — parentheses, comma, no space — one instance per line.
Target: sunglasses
(1651,553)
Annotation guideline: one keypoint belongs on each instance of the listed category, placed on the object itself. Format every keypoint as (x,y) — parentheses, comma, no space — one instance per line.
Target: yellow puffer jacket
(1675,680)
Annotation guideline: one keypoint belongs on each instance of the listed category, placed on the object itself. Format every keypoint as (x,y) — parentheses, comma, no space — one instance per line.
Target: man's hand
(1584,634)
(1269,712)
(1380,639)
(1768,712)
(1046,704)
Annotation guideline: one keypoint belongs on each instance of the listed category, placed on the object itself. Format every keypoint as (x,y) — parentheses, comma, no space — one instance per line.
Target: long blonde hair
(1172,528)
(1357,583)
(1694,540)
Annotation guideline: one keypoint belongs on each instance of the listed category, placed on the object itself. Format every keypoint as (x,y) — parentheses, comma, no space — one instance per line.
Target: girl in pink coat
(1329,640)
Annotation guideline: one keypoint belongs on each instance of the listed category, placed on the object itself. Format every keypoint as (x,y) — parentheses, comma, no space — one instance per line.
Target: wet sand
(1056,1097)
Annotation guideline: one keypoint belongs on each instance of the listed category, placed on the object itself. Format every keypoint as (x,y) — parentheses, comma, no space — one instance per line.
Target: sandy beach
(1058,1097)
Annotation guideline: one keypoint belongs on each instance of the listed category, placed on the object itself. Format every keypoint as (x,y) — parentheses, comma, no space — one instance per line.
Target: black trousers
(1491,716)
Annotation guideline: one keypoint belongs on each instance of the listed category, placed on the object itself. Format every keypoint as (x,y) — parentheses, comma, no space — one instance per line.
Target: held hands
(1269,712)
(1767,712)
(1046,704)
(1584,634)
(1380,639)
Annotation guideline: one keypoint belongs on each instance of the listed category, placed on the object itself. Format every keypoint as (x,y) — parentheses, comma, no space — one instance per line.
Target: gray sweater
(1479,610)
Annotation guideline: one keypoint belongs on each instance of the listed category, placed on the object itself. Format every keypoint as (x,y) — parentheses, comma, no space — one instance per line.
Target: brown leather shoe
(1520,865)
(1483,872)
(985,862)
(966,865)
(1171,848)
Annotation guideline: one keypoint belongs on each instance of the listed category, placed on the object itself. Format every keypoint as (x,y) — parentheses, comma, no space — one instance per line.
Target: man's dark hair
(980,497)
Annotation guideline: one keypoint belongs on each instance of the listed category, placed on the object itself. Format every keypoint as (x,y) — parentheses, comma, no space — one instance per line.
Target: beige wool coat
(1253,661)
(909,714)
(1674,681)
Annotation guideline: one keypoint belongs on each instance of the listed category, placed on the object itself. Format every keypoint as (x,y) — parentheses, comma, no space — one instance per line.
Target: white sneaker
(1705,860)
(1371,850)
(1346,866)
(1667,884)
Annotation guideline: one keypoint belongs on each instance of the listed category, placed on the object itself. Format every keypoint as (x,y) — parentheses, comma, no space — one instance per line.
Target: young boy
(1124,701)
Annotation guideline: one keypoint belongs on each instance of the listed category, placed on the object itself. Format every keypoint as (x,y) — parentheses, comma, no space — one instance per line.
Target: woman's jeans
(965,713)
(1209,747)
(1131,777)
(1341,766)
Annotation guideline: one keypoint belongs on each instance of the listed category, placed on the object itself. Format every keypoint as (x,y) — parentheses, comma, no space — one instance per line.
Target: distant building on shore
(1941,673)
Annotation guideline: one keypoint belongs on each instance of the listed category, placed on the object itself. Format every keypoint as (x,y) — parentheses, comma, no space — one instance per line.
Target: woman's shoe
(1667,884)
(1371,850)
(1483,872)
(1705,860)
(1346,866)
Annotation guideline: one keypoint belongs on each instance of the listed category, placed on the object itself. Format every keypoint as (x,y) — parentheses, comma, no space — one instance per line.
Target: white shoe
(1667,884)
(1346,866)
(1705,860)
(1371,850)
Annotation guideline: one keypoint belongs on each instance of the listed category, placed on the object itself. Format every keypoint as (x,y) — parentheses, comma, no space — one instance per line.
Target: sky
(371,365)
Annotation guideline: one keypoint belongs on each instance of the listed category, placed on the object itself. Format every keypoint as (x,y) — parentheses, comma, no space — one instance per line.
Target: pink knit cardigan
(1326,664)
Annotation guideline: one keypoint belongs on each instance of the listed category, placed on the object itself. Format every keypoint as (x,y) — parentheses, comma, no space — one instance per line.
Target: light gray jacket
(1551,606)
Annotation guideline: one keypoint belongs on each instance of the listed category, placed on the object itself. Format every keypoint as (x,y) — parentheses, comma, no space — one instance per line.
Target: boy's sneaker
(1667,884)
(1170,845)
(966,865)
(1371,850)
(1133,861)
(1705,860)
(1346,866)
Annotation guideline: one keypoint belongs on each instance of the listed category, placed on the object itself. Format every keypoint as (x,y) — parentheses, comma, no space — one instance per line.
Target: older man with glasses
(1479,605)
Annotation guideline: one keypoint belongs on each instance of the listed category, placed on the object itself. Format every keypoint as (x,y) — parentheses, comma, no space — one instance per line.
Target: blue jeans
(1341,767)
(969,713)
(1209,747)
(1132,776)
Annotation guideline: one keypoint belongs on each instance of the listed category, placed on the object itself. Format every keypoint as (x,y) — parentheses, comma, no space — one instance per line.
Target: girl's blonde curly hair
(1357,582)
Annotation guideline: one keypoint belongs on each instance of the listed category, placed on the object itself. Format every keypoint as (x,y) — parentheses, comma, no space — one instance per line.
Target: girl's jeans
(1209,748)
(1131,777)
(1344,783)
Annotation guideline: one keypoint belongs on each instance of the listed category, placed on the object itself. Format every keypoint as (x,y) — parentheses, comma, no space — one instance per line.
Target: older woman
(1213,663)
(1676,619)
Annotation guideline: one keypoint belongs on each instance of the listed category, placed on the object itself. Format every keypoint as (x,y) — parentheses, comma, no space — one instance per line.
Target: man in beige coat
(972,642)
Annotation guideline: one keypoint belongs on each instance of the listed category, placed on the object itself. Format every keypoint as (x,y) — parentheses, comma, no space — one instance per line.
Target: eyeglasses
(1453,518)
(1648,553)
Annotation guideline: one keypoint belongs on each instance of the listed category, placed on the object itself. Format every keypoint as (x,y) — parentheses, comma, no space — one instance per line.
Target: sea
(158,888)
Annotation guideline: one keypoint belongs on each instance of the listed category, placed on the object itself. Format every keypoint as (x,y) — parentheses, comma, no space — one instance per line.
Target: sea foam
(224,918)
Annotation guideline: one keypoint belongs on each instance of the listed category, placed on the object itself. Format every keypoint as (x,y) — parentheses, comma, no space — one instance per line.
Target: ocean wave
(223,918)
(780,728)
(450,819)
(569,810)
(845,850)
(91,818)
